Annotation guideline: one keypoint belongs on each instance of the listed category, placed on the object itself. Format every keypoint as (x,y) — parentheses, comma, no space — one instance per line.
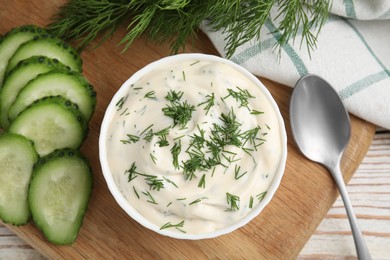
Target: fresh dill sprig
(178,226)
(204,155)
(229,156)
(261,196)
(191,166)
(120,103)
(251,202)
(197,201)
(154,183)
(150,94)
(256,112)
(135,192)
(197,140)
(237,173)
(175,151)
(149,135)
(163,141)
(251,136)
(174,96)
(146,129)
(242,96)
(125,112)
(175,21)
(162,136)
(233,201)
(194,63)
(202,182)
(154,159)
(228,132)
(130,139)
(170,181)
(210,101)
(150,197)
(132,172)
(181,113)
(152,180)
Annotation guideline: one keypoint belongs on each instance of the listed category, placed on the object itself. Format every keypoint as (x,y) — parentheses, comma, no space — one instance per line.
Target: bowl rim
(118,196)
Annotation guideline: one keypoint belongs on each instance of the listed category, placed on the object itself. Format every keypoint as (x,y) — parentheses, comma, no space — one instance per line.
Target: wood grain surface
(305,195)
(369,192)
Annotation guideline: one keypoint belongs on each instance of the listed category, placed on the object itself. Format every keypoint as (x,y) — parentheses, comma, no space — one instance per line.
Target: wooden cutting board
(279,232)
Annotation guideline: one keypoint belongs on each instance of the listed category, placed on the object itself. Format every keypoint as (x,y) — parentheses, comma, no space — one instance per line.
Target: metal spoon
(321,129)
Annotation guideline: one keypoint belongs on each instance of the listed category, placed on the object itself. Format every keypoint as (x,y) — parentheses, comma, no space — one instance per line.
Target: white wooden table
(369,191)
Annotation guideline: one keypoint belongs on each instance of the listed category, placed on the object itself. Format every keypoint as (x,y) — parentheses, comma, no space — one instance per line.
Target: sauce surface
(194,145)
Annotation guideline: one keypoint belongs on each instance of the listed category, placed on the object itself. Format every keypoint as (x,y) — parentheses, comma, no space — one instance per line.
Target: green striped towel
(352,54)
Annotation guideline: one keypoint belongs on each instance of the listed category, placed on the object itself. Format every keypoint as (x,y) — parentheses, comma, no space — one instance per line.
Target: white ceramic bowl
(128,208)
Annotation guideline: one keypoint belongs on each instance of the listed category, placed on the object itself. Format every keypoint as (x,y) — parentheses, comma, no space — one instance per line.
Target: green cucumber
(58,196)
(70,85)
(52,123)
(49,46)
(16,79)
(17,157)
(12,40)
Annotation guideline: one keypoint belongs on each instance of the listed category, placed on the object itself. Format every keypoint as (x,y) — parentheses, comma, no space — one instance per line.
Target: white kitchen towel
(352,54)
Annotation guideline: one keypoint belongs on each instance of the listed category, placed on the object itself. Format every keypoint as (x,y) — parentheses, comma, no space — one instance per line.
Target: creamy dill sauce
(230,146)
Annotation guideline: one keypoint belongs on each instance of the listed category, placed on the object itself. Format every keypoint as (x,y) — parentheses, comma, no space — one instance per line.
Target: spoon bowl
(321,128)
(321,125)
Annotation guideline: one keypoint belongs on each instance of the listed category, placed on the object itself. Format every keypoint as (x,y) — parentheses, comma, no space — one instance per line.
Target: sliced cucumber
(59,192)
(16,79)
(12,40)
(49,46)
(70,85)
(17,157)
(52,123)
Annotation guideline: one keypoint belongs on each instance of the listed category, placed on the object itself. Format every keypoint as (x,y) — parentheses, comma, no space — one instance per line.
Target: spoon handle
(360,244)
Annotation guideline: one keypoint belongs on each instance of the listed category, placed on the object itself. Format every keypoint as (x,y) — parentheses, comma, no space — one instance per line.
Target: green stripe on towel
(361,37)
(350,8)
(362,84)
(370,79)
(253,50)
(385,15)
(298,63)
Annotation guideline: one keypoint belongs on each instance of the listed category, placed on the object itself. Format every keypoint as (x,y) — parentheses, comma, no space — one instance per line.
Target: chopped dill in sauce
(233,202)
(191,136)
(120,103)
(178,226)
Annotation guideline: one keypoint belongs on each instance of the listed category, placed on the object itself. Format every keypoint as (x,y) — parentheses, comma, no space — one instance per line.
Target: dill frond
(175,21)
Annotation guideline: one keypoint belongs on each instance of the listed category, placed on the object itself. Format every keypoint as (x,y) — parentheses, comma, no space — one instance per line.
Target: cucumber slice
(70,85)
(58,196)
(17,157)
(49,46)
(12,40)
(52,123)
(18,78)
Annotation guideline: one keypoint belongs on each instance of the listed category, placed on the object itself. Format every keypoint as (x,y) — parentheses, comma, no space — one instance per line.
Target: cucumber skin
(65,104)
(45,62)
(29,30)
(23,28)
(40,223)
(40,59)
(46,39)
(87,87)
(69,105)
(10,137)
